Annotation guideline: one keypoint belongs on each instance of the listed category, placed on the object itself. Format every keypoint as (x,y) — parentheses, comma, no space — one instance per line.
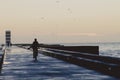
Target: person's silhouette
(35,46)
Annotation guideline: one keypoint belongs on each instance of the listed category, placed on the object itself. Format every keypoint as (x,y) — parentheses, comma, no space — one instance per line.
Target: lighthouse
(8,38)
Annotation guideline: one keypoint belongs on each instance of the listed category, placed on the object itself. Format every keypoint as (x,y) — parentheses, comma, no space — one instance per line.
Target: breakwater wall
(2,54)
(83,49)
(104,64)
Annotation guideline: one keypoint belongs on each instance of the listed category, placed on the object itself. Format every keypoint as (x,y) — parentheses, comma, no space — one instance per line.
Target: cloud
(78,34)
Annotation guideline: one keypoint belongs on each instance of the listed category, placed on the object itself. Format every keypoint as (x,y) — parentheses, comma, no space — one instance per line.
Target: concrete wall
(83,49)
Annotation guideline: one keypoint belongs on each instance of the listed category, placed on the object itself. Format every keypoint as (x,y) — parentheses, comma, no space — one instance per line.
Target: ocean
(105,49)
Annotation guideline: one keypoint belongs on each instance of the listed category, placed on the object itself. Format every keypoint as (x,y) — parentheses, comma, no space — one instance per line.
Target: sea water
(105,49)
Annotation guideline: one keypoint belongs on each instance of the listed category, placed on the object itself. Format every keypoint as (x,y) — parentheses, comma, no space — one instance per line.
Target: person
(35,46)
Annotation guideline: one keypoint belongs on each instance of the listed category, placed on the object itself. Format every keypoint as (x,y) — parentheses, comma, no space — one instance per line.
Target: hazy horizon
(60,21)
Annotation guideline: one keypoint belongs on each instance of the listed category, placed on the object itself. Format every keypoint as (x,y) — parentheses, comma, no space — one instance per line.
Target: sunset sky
(60,21)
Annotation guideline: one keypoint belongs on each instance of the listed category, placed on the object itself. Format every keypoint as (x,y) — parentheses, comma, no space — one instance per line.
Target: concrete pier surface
(19,65)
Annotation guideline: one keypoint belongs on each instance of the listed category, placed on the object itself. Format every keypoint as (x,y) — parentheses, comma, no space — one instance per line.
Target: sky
(60,21)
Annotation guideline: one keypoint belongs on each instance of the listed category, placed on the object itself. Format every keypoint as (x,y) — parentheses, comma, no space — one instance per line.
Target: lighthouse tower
(8,38)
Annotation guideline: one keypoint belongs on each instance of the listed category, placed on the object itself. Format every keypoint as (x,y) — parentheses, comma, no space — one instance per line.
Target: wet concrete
(19,65)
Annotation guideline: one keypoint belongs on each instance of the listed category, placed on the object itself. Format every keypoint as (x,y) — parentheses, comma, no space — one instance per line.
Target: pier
(19,65)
